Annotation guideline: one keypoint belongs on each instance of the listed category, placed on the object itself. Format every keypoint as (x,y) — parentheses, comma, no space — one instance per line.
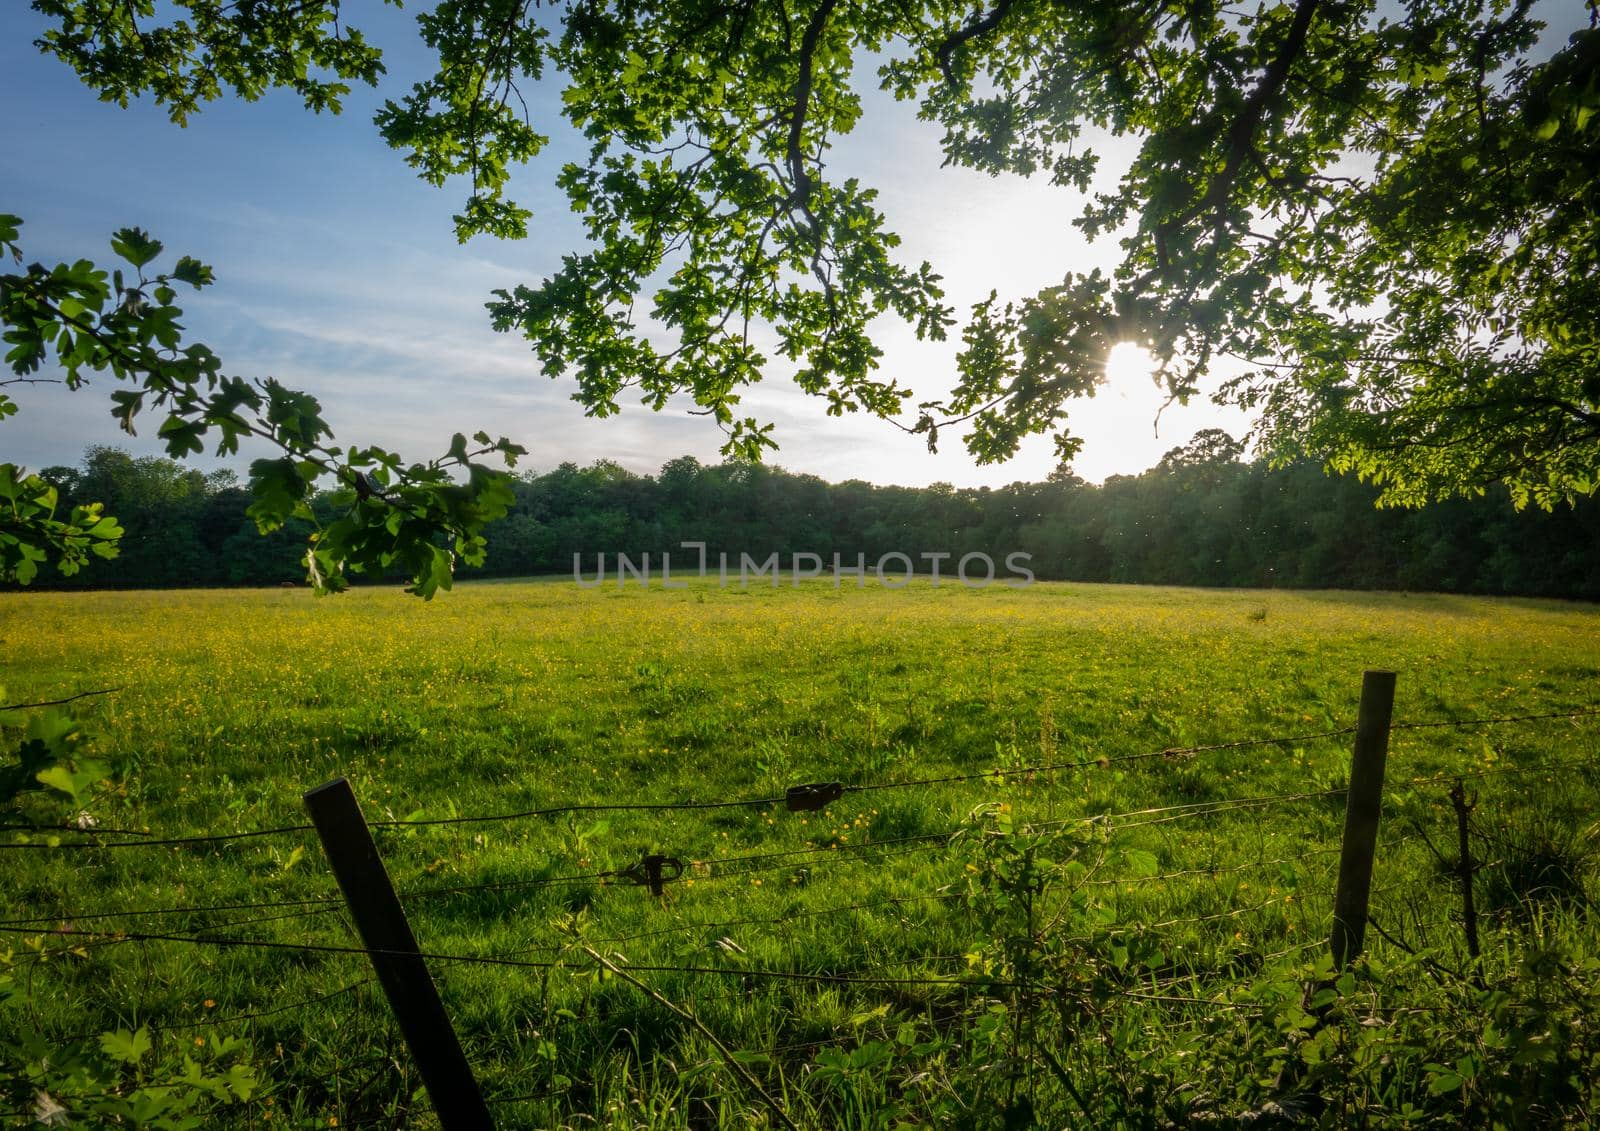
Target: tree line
(1202,516)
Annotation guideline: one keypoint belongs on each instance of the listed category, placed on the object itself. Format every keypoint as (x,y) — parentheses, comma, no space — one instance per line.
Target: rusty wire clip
(648,871)
(816,795)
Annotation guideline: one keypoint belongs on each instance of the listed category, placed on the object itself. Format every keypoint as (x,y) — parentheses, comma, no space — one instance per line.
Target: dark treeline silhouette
(1200,517)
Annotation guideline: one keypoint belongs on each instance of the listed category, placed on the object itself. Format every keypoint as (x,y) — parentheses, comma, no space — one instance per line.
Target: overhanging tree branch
(981,26)
(809,43)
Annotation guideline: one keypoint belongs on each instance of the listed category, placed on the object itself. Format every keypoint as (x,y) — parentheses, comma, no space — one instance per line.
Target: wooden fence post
(396,958)
(1363,804)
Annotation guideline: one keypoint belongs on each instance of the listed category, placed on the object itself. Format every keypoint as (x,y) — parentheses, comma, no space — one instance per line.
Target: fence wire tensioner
(651,871)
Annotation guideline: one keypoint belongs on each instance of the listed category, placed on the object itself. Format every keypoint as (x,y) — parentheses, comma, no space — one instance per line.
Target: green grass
(511,696)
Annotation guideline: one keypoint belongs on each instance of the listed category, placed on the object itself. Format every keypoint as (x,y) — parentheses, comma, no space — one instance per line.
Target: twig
(1432,964)
(1464,869)
(733,1063)
(58,702)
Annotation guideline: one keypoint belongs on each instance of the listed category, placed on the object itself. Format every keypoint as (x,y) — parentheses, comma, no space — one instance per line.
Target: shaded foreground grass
(508,697)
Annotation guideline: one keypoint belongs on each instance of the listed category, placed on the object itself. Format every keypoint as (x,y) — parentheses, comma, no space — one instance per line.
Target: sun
(1129,365)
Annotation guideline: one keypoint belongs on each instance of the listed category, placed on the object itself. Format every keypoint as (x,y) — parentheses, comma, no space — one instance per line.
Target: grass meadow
(1172,933)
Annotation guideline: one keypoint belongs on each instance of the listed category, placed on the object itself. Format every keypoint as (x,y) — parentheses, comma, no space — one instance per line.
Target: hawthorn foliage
(418,518)
(1381,220)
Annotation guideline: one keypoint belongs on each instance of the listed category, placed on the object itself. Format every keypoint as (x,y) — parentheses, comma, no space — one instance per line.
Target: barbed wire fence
(382,936)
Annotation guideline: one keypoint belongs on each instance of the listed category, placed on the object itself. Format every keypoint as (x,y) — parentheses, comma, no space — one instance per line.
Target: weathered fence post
(1362,806)
(396,958)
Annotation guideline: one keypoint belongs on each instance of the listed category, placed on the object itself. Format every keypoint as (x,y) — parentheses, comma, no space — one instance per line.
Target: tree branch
(981,26)
(59,702)
(1241,135)
(802,100)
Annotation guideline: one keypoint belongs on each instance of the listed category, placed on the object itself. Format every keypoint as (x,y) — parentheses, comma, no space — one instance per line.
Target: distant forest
(1200,517)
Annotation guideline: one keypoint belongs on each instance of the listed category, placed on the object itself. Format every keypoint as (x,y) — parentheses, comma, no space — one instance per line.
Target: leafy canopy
(417,518)
(1384,217)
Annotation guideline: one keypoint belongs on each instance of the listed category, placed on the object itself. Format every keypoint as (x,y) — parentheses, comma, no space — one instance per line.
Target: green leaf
(1443,1083)
(1139,862)
(126,1047)
(192,271)
(135,245)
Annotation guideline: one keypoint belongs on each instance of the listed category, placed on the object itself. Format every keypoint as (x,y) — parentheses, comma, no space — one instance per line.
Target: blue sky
(338,272)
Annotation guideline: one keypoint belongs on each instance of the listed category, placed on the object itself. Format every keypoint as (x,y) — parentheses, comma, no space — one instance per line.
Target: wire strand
(198,909)
(998,774)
